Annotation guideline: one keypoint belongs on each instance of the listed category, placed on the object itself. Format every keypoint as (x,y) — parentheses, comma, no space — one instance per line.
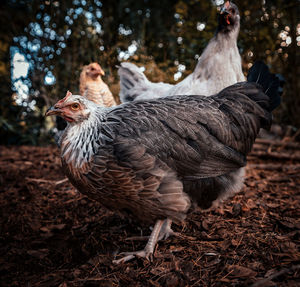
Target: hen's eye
(75,107)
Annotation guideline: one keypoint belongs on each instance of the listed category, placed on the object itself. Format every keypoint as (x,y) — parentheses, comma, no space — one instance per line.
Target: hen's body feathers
(154,158)
(157,158)
(93,88)
(99,93)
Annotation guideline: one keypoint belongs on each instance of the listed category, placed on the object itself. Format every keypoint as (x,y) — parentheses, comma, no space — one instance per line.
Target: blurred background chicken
(92,86)
(218,67)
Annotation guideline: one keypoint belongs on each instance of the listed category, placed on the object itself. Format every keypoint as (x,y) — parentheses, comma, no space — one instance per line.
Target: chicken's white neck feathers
(219,66)
(223,44)
(80,140)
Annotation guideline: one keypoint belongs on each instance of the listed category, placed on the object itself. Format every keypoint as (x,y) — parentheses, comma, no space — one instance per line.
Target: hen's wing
(195,136)
(150,154)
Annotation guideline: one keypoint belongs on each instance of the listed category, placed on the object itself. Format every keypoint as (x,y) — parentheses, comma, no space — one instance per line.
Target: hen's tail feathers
(260,74)
(131,77)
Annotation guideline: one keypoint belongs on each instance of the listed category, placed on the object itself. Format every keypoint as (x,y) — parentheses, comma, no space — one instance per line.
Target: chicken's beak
(52,111)
(223,11)
(225,8)
(100,72)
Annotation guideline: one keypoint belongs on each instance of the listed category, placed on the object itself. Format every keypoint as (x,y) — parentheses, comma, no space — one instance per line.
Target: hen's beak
(225,8)
(52,111)
(100,72)
(224,11)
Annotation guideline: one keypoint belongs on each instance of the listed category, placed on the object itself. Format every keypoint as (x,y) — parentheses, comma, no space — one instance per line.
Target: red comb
(69,94)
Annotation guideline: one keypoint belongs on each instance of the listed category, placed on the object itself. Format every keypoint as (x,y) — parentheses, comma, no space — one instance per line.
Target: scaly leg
(166,230)
(149,248)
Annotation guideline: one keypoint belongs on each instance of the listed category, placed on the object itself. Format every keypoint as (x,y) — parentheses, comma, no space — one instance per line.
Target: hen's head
(93,70)
(72,108)
(229,18)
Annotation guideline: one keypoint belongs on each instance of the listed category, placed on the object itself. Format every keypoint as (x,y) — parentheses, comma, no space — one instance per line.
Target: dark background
(166,37)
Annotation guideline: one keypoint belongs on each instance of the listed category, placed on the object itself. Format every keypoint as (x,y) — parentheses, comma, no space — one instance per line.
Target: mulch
(53,236)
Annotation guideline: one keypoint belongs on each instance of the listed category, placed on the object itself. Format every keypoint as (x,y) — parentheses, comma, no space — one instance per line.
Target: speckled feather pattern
(157,158)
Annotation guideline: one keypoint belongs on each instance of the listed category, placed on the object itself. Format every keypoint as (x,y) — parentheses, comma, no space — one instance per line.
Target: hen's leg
(166,230)
(147,252)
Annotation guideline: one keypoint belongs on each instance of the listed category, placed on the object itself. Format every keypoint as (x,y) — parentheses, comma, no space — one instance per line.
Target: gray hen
(218,67)
(158,158)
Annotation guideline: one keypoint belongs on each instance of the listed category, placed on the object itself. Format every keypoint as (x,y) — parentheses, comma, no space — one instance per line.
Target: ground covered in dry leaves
(53,236)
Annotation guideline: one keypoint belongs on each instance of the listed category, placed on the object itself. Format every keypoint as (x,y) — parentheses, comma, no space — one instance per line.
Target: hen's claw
(147,254)
(149,248)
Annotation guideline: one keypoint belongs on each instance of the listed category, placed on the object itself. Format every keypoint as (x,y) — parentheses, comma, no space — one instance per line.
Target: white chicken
(218,67)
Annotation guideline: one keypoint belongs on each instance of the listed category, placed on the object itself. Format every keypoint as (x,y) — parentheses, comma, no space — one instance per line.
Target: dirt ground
(53,236)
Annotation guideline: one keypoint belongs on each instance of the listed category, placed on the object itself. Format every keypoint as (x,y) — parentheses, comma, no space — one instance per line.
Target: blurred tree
(270,31)
(12,124)
(166,37)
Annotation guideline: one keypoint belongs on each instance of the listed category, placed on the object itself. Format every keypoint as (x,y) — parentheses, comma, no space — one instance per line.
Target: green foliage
(59,37)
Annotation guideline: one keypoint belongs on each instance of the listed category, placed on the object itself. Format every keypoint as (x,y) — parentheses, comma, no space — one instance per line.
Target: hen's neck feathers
(96,80)
(80,140)
(222,44)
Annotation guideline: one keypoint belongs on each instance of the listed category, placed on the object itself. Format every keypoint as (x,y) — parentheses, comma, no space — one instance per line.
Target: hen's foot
(149,248)
(147,254)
